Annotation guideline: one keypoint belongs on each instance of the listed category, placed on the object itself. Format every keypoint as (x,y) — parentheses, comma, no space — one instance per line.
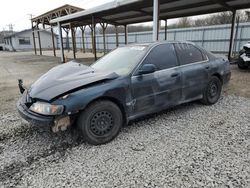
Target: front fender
(78,100)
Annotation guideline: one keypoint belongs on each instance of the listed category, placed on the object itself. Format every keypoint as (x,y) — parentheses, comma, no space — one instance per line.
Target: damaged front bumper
(33,118)
(56,123)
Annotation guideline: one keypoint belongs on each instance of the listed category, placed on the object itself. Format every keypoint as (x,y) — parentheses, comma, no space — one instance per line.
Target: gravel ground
(188,146)
(191,145)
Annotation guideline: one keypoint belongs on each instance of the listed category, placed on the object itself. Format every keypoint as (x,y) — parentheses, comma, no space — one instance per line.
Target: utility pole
(10,27)
(33,33)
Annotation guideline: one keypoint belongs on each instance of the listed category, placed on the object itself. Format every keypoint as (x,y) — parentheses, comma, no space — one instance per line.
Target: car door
(155,91)
(194,66)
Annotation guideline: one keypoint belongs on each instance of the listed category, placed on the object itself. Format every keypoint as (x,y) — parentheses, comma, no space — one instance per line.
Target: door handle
(207,67)
(174,74)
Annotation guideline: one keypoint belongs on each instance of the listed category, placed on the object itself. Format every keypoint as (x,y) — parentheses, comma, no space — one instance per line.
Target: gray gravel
(188,146)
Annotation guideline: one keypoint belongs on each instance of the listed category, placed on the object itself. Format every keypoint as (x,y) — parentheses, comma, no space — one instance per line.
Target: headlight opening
(46,108)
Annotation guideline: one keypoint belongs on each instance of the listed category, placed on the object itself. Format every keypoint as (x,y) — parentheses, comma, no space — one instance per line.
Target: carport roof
(56,13)
(122,12)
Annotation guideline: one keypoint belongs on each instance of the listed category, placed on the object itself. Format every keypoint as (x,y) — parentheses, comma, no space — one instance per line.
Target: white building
(2,35)
(23,40)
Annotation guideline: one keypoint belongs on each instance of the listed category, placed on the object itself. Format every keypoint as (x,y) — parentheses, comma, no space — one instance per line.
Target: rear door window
(162,56)
(188,53)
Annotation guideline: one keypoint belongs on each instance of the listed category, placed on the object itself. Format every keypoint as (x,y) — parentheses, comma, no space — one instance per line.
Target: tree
(221,18)
(184,22)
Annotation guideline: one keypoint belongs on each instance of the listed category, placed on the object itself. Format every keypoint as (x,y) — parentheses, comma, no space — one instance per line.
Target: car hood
(65,78)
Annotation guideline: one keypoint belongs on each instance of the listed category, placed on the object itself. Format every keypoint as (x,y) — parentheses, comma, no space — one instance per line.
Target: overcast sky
(17,12)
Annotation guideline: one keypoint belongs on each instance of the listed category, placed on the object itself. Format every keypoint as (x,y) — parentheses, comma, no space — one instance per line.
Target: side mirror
(147,69)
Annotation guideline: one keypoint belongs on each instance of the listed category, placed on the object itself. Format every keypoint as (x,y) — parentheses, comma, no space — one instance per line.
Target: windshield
(121,60)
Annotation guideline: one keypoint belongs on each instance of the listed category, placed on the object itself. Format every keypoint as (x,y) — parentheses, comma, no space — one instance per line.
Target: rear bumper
(32,117)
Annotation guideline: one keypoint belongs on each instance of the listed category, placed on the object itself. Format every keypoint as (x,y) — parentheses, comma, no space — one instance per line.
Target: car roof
(152,44)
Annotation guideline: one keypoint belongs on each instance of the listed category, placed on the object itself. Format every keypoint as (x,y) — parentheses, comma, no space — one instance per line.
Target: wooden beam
(146,13)
(104,27)
(107,21)
(224,4)
(61,42)
(232,35)
(39,42)
(163,10)
(67,38)
(73,40)
(126,34)
(83,38)
(53,41)
(117,36)
(93,38)
(166,27)
(34,39)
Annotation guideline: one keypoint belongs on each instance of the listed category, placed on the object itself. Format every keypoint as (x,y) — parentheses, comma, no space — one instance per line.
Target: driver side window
(162,56)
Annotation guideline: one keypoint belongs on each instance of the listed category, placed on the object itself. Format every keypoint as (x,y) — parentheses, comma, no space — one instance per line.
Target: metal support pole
(73,40)
(61,42)
(117,36)
(39,42)
(94,40)
(33,36)
(53,41)
(126,34)
(155,20)
(232,35)
(166,29)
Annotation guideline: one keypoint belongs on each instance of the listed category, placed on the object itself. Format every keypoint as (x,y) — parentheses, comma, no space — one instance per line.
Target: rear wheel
(212,92)
(100,122)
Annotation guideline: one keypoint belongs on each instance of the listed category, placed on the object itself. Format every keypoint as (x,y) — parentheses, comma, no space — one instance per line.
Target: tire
(242,64)
(212,91)
(100,122)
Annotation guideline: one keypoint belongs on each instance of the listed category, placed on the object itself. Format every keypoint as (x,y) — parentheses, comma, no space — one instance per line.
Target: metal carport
(124,12)
(44,20)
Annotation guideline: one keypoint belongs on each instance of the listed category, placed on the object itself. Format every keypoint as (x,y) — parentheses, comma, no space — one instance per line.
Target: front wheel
(100,122)
(212,92)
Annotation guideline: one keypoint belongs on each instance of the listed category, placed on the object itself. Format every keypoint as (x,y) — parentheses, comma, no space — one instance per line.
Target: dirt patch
(240,82)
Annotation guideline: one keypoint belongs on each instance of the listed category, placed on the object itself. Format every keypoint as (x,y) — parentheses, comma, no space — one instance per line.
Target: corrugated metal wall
(212,38)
